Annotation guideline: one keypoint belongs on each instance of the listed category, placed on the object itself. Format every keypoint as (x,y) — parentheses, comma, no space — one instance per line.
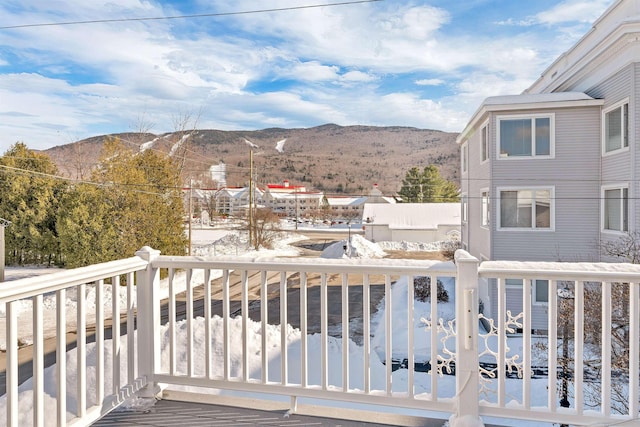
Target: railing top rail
(31,286)
(581,271)
(316,265)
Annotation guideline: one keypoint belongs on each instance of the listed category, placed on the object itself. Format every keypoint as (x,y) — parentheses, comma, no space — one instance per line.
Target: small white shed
(411,222)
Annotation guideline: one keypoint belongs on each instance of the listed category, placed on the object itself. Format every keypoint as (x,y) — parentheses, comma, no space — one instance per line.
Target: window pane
(543,136)
(485,146)
(612,210)
(613,130)
(541,291)
(525,203)
(508,209)
(543,209)
(515,137)
(486,208)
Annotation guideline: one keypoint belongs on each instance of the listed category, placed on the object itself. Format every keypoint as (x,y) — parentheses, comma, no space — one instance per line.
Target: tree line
(132,199)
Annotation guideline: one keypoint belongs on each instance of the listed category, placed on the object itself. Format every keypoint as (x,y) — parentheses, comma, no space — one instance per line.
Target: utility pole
(250,197)
(3,224)
(190,210)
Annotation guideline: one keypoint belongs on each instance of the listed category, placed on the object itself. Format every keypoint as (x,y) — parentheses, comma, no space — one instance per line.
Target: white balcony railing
(228,328)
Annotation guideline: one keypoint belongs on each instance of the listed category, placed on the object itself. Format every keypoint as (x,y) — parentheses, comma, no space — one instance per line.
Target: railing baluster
(388,335)
(12,364)
(434,340)
(634,348)
(131,348)
(605,357)
(366,331)
(189,321)
(172,323)
(61,356)
(303,330)
(81,351)
(410,335)
(578,351)
(38,361)
(526,344)
(225,324)
(324,322)
(115,332)
(283,329)
(345,331)
(207,323)
(100,340)
(245,317)
(553,347)
(502,336)
(264,317)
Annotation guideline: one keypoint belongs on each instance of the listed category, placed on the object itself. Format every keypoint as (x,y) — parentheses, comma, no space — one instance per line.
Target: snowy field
(228,243)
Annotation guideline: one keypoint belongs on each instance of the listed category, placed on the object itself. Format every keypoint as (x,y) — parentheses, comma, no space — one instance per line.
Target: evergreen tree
(427,186)
(138,203)
(30,195)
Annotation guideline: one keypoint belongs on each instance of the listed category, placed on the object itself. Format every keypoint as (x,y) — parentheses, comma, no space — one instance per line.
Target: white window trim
(485,226)
(552,215)
(552,136)
(484,134)
(618,186)
(618,104)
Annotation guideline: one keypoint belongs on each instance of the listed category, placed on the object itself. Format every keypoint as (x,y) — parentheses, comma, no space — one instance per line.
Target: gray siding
(476,238)
(618,168)
(573,173)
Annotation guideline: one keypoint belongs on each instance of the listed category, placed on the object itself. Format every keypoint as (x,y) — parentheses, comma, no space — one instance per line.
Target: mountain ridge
(332,158)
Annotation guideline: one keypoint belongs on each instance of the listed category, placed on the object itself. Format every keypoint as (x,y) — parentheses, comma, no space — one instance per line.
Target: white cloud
(573,11)
(430,82)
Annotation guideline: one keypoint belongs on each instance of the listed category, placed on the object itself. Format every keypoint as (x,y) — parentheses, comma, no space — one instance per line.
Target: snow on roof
(296,195)
(412,216)
(345,201)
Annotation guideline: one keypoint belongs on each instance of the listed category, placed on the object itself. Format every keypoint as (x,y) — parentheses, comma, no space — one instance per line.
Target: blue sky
(427,64)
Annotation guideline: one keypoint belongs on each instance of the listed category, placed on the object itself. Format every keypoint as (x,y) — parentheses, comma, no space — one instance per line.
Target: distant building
(219,174)
(411,222)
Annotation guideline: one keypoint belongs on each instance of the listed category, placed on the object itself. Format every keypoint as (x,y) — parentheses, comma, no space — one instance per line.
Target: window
(616,128)
(539,289)
(526,136)
(463,157)
(616,209)
(484,144)
(465,207)
(486,209)
(526,208)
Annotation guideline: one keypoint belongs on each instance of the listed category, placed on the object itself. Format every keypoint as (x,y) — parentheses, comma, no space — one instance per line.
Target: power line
(199,15)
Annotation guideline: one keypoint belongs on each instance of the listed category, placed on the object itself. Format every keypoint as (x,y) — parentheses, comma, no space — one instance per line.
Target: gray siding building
(552,174)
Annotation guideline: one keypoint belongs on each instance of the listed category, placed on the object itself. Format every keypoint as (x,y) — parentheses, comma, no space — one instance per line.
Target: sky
(426,64)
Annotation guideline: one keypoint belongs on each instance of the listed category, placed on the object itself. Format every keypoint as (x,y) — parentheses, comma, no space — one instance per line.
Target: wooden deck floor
(176,413)
(193,409)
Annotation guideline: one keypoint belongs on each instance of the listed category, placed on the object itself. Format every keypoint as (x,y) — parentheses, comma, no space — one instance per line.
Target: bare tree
(265,227)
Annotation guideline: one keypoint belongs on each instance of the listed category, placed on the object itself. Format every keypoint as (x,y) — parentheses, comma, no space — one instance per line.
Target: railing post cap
(463,256)
(147,253)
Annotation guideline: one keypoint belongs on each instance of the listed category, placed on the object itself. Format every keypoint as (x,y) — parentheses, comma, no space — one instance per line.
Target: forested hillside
(335,159)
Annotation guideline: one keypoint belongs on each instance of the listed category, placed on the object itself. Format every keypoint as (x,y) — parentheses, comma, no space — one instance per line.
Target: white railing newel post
(467,367)
(147,283)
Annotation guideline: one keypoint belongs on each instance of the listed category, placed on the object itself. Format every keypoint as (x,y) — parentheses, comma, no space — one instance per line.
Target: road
(311,248)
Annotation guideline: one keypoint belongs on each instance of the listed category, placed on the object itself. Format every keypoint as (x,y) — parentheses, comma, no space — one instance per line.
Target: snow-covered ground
(232,243)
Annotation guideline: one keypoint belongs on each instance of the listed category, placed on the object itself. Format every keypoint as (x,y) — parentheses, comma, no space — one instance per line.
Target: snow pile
(412,246)
(358,247)
(237,243)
